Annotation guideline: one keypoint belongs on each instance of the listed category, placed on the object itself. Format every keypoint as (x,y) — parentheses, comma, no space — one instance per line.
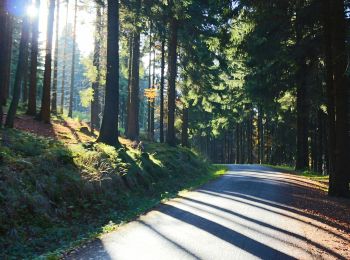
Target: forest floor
(311,198)
(64,129)
(67,130)
(332,212)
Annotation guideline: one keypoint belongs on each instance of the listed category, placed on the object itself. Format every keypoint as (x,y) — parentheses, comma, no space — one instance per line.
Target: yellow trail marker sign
(151,94)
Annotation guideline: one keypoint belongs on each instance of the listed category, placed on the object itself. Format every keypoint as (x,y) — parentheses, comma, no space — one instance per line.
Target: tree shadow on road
(287,196)
(303,200)
(263,224)
(239,240)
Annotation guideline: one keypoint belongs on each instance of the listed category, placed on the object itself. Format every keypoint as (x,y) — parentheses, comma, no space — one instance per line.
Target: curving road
(246,214)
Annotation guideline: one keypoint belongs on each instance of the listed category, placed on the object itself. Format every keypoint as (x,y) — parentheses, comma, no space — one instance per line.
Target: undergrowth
(53,196)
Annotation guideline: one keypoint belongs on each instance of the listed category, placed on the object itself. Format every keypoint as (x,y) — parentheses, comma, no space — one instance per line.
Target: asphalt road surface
(245,214)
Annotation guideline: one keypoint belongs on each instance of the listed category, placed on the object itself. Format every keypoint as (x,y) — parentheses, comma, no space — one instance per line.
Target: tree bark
(250,137)
(243,143)
(154,101)
(342,174)
(109,127)
(302,162)
(8,56)
(184,132)
(55,67)
(5,58)
(6,51)
(134,87)
(161,118)
(33,64)
(72,80)
(45,103)
(21,70)
(95,104)
(25,83)
(134,90)
(129,82)
(313,144)
(237,143)
(224,153)
(172,71)
(261,135)
(63,83)
(150,105)
(330,94)
(302,153)
(319,162)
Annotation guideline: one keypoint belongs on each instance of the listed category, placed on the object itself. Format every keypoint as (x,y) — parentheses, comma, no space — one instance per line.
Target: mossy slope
(52,194)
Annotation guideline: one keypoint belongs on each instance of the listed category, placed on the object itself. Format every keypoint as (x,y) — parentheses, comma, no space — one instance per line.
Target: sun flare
(32,11)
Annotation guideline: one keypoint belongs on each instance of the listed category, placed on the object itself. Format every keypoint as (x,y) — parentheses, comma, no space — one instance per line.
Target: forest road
(245,214)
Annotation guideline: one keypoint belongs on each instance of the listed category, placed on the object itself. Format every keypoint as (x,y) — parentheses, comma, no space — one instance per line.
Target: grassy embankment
(54,195)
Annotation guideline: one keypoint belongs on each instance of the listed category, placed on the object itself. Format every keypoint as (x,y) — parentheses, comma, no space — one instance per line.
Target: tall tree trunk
(5,57)
(231,146)
(72,79)
(55,66)
(267,132)
(33,64)
(207,142)
(149,104)
(227,138)
(129,82)
(21,70)
(172,71)
(314,152)
(8,57)
(45,103)
(243,142)
(161,118)
(250,136)
(149,127)
(224,160)
(25,84)
(342,174)
(320,119)
(122,113)
(134,88)
(96,104)
(133,112)
(63,83)
(261,135)
(330,94)
(184,132)
(238,147)
(109,127)
(302,153)
(153,86)
(302,162)
(3,35)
